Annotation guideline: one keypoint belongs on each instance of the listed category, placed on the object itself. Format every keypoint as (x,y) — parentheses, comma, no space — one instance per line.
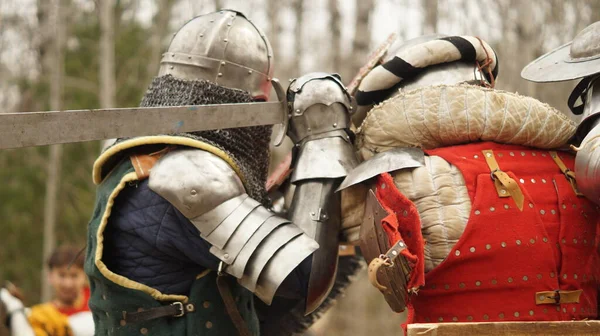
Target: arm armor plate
(257,247)
(319,125)
(587,166)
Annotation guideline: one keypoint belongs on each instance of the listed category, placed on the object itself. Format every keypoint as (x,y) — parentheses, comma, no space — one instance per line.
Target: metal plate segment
(239,265)
(222,233)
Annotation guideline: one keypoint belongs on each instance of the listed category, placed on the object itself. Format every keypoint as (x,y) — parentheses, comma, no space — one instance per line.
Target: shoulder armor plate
(194,181)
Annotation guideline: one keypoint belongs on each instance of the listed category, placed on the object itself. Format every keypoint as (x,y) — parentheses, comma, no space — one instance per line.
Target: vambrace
(254,245)
(587,166)
(319,125)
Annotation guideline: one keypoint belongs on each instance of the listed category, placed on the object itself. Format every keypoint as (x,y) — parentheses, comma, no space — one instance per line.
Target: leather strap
(505,185)
(558,297)
(230,306)
(143,163)
(176,309)
(386,259)
(569,174)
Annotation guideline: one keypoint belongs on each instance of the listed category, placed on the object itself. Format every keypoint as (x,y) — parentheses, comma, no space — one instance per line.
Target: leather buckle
(179,306)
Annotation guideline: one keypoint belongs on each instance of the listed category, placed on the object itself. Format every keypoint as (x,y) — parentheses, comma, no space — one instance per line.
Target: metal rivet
(334,124)
(208,325)
(543,180)
(543,212)
(220,74)
(383,186)
(225,40)
(574,241)
(394,252)
(492,209)
(144,331)
(545,239)
(574,206)
(564,241)
(405,213)
(190,307)
(575,276)
(521,180)
(477,283)
(457,253)
(542,297)
(531,205)
(476,156)
(544,154)
(564,206)
(469,318)
(501,315)
(503,192)
(488,154)
(506,206)
(510,279)
(564,310)
(532,241)
(226,256)
(522,153)
(539,276)
(103,296)
(574,309)
(525,278)
(565,276)
(201,35)
(462,285)
(552,274)
(172,55)
(223,63)
(558,309)
(532,180)
(488,246)
(500,154)
(308,129)
(122,323)
(511,154)
(193,192)
(503,244)
(212,21)
(190,57)
(446,287)
(494,281)
(249,72)
(441,319)
(516,314)
(477,212)
(455,319)
(107,315)
(472,249)
(486,317)
(171,67)
(553,211)
(206,304)
(518,242)
(585,242)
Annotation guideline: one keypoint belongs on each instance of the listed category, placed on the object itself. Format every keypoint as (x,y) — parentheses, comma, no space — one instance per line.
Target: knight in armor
(182,240)
(578,59)
(465,202)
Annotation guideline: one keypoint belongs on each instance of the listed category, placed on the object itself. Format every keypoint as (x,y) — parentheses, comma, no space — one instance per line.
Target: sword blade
(26,129)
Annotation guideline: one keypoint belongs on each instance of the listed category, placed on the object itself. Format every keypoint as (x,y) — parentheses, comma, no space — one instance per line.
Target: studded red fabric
(505,256)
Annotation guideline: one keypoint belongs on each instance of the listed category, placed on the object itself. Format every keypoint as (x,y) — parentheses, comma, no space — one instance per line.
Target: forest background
(74,54)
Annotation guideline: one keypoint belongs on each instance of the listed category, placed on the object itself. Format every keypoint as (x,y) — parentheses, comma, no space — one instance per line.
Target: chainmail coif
(247,146)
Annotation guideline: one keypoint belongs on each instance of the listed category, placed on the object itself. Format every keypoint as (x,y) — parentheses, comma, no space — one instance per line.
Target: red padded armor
(505,256)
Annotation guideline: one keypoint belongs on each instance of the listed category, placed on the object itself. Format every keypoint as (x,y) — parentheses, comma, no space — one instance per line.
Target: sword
(26,129)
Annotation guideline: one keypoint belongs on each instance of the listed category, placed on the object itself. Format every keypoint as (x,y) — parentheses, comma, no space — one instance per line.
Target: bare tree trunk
(107,53)
(58,28)
(299,14)
(159,23)
(362,35)
(334,24)
(274,12)
(431,16)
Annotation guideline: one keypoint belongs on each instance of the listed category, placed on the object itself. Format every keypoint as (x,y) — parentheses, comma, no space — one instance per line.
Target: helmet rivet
(220,74)
(225,40)
(229,24)
(297,110)
(189,57)
(201,35)
(171,67)
(249,72)
(172,55)
(212,21)
(222,63)
(334,124)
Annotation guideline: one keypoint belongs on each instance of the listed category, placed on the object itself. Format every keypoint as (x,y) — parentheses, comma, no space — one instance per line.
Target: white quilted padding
(445,115)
